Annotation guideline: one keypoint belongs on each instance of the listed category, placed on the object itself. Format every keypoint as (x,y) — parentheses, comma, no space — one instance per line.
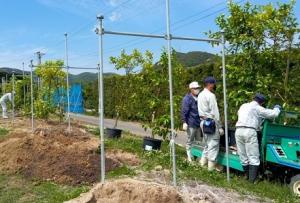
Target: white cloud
(115,16)
(114,2)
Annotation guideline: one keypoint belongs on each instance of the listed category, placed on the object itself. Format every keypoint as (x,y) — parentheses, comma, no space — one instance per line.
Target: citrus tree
(53,78)
(260,46)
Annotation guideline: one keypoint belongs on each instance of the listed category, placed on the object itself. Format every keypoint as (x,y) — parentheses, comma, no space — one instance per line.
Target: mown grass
(16,189)
(186,172)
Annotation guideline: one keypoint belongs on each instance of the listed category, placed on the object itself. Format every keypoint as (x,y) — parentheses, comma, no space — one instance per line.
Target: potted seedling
(114,132)
(160,127)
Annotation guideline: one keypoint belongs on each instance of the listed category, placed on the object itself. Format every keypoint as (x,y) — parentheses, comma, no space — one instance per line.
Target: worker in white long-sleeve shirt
(6,97)
(250,117)
(210,123)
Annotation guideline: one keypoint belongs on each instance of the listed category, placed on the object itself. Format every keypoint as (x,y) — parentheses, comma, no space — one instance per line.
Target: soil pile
(52,153)
(130,190)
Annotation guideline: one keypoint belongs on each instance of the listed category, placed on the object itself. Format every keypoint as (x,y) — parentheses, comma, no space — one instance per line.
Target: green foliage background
(261,56)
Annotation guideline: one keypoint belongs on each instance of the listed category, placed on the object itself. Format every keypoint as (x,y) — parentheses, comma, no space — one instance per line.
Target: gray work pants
(211,144)
(193,134)
(247,146)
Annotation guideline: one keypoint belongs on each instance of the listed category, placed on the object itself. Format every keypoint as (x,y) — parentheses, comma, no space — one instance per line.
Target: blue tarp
(76,99)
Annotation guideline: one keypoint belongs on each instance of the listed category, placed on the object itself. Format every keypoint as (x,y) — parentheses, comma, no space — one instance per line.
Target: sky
(28,26)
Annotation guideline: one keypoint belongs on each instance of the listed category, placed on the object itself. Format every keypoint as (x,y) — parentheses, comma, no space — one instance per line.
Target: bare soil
(53,153)
(130,190)
(154,187)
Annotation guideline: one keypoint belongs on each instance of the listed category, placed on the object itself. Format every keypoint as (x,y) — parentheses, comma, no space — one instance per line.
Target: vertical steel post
(24,91)
(225,105)
(172,142)
(68,91)
(31,94)
(13,98)
(101,107)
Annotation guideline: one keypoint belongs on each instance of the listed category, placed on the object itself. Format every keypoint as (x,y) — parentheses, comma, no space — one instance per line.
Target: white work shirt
(5,97)
(252,114)
(207,105)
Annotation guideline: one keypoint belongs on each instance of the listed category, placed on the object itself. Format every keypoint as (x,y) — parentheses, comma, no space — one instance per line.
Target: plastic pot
(113,132)
(150,143)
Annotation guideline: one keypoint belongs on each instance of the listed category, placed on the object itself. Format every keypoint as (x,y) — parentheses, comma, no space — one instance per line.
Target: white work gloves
(221,131)
(185,126)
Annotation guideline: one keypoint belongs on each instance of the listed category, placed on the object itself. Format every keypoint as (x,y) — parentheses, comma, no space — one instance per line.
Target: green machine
(279,148)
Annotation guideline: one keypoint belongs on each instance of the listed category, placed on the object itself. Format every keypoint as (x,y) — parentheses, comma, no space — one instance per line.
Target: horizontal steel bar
(159,36)
(81,68)
(195,39)
(133,34)
(70,67)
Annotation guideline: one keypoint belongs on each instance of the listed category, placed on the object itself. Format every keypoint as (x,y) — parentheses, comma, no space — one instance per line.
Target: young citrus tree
(52,78)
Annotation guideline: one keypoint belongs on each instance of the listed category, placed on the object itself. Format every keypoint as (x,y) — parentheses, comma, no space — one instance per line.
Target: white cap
(194,85)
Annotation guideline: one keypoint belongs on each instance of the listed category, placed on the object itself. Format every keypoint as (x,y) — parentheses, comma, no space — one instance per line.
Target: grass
(185,171)
(16,189)
(3,132)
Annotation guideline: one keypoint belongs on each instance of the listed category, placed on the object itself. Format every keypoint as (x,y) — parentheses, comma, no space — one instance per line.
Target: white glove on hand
(185,126)
(221,131)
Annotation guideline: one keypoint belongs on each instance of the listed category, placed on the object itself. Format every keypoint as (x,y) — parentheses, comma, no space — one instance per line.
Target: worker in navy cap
(190,117)
(250,118)
(210,123)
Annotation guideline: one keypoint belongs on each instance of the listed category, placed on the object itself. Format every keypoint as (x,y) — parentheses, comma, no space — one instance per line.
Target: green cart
(279,148)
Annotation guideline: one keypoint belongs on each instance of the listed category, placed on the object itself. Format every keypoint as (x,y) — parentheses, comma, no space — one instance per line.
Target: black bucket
(113,132)
(151,144)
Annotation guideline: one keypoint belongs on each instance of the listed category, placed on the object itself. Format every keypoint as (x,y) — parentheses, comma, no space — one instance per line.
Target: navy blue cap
(259,98)
(210,80)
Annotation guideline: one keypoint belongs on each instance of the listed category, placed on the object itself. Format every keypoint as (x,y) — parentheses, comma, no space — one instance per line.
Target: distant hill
(188,59)
(79,78)
(9,71)
(86,77)
(194,58)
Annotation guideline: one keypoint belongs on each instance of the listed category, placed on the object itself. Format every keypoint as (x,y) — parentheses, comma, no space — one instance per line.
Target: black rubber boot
(246,171)
(253,171)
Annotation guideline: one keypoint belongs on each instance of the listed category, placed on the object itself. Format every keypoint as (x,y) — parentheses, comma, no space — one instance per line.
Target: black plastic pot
(151,144)
(113,132)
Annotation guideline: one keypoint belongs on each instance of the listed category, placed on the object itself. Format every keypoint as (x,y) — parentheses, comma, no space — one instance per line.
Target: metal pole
(39,62)
(172,145)
(99,86)
(101,108)
(225,106)
(13,98)
(68,91)
(31,94)
(3,84)
(24,91)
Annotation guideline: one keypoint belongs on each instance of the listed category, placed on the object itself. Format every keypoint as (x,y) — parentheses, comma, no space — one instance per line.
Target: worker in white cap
(190,117)
(6,97)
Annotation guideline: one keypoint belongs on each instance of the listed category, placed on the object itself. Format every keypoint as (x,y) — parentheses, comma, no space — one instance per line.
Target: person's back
(251,115)
(3,101)
(5,97)
(207,105)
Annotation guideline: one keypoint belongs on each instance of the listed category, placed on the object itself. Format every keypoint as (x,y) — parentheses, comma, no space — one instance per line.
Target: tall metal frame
(68,91)
(168,37)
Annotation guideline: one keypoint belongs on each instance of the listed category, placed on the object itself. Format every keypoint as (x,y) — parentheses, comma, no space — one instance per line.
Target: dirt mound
(129,190)
(52,153)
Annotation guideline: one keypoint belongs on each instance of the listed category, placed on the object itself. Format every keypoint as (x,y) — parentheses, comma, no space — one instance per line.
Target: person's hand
(277,107)
(185,126)
(221,131)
